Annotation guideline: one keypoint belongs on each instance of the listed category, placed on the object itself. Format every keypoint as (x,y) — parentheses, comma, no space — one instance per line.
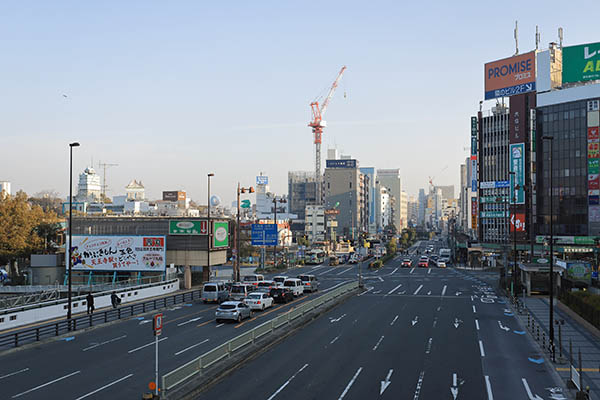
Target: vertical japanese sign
(517,181)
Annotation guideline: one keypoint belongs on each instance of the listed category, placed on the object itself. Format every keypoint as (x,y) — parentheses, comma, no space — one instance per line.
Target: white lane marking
(417,291)
(287,382)
(334,339)
(394,289)
(411,271)
(488,385)
(221,324)
(394,271)
(146,345)
(103,343)
(104,387)
(191,347)
(481,349)
(14,373)
(46,384)
(350,383)
(477,324)
(444,290)
(378,343)
(474,309)
(190,320)
(367,291)
(419,385)
(395,318)
(428,271)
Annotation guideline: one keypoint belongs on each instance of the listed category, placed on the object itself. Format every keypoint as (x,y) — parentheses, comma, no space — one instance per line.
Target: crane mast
(317,124)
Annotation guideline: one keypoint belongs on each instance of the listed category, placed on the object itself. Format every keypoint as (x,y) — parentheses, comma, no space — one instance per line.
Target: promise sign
(510,76)
(581,63)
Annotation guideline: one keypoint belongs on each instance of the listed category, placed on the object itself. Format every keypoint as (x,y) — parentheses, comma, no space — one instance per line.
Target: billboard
(264,235)
(221,234)
(173,195)
(510,76)
(517,165)
(581,63)
(517,220)
(186,227)
(340,163)
(119,253)
(262,180)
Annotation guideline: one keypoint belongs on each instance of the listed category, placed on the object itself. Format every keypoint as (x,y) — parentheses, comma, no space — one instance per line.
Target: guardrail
(199,364)
(63,326)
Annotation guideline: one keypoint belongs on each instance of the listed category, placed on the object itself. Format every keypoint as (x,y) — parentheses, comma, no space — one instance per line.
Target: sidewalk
(582,339)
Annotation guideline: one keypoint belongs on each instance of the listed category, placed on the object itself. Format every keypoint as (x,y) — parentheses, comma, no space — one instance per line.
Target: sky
(171,91)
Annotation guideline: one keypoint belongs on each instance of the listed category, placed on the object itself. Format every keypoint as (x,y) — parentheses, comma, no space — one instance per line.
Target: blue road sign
(264,234)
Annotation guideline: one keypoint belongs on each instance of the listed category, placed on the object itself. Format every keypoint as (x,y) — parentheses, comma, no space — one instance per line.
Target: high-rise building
(89,187)
(390,178)
(370,172)
(302,191)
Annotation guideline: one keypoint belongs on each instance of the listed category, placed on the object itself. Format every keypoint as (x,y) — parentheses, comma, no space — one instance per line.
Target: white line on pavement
(394,289)
(350,384)
(287,382)
(378,343)
(334,339)
(474,309)
(395,318)
(481,349)
(488,385)
(191,347)
(477,324)
(103,343)
(411,271)
(417,291)
(104,387)
(444,290)
(146,345)
(14,373)
(46,384)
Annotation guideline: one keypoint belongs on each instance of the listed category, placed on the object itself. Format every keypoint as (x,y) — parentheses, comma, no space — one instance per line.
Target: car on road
(441,264)
(233,310)
(215,291)
(279,279)
(239,291)
(281,295)
(259,301)
(310,282)
(295,285)
(406,263)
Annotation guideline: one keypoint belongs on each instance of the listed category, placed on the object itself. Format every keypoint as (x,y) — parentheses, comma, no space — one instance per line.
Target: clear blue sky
(173,90)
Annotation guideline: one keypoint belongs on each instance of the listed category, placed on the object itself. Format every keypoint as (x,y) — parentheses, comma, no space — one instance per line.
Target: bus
(315,257)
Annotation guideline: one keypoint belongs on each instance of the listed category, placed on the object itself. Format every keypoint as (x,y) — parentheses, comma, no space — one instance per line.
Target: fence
(63,326)
(196,366)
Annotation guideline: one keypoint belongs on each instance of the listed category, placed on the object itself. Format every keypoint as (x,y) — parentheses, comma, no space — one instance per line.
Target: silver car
(233,310)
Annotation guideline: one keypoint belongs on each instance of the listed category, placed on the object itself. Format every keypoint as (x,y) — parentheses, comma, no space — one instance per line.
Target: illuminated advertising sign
(510,76)
(119,253)
(581,63)
(517,181)
(519,222)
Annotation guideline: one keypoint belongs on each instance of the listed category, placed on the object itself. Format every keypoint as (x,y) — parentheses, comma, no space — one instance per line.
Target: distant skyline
(172,91)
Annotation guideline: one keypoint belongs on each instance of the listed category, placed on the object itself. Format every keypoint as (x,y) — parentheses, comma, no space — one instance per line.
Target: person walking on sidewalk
(90,303)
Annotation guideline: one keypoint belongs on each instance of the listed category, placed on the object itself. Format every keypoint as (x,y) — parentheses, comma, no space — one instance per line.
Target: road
(117,361)
(415,334)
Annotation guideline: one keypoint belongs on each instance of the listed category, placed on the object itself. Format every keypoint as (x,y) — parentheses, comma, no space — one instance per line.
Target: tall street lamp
(275,201)
(209,245)
(70,265)
(236,271)
(551,294)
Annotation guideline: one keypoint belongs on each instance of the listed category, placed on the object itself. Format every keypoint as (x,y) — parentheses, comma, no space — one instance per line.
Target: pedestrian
(114,299)
(90,303)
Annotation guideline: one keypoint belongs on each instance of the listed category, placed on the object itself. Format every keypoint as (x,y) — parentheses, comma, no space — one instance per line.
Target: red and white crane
(317,124)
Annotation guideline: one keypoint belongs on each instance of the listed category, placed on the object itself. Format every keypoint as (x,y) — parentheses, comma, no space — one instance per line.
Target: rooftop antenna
(537,38)
(560,36)
(516,34)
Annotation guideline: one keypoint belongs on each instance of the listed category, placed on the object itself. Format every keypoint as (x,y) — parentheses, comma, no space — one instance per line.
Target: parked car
(253,279)
(295,285)
(259,301)
(233,310)
(310,282)
(281,295)
(214,291)
(279,279)
(239,291)
(406,263)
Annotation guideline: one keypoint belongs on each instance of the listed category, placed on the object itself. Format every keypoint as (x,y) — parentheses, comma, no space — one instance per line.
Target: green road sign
(245,204)
(221,234)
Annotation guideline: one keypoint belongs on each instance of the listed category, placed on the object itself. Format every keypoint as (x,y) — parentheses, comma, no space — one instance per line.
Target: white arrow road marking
(504,328)
(444,290)
(395,318)
(417,291)
(378,343)
(529,394)
(287,382)
(349,384)
(386,383)
(488,385)
(188,321)
(414,321)
(394,289)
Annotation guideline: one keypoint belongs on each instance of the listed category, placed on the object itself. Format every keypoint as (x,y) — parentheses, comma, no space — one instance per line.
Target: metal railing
(30,335)
(199,364)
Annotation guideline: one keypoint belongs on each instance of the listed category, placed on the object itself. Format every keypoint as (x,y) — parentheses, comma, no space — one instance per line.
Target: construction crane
(104,166)
(317,124)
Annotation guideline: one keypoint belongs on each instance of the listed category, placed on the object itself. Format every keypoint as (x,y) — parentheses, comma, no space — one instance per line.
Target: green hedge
(586,304)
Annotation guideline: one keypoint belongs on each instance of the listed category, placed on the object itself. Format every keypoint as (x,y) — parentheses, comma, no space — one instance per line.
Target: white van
(295,285)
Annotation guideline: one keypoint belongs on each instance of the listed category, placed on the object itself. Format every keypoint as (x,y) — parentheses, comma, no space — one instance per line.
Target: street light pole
(209,245)
(70,262)
(551,294)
